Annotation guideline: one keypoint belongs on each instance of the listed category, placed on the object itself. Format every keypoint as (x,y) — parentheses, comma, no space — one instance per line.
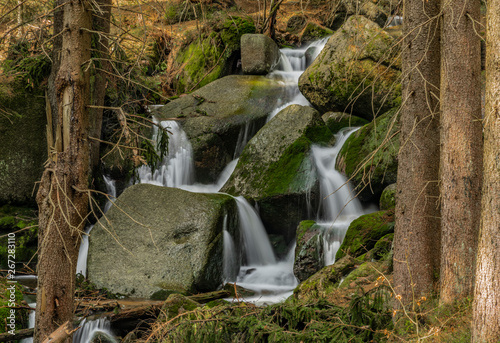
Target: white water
(292,64)
(31,323)
(90,328)
(339,205)
(177,167)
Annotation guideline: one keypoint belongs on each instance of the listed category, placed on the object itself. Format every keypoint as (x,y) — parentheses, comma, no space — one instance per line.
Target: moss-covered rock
(161,239)
(221,117)
(323,282)
(296,23)
(175,305)
(11,296)
(276,171)
(14,219)
(364,233)
(259,54)
(23,143)
(357,72)
(369,156)
(339,120)
(309,257)
(365,273)
(383,247)
(313,32)
(388,197)
(206,59)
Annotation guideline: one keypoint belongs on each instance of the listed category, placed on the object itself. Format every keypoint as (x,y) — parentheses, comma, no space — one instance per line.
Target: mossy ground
(21,315)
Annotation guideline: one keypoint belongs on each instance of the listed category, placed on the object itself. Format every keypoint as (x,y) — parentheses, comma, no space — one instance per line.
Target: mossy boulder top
(275,168)
(259,54)
(365,232)
(214,115)
(357,72)
(336,121)
(158,239)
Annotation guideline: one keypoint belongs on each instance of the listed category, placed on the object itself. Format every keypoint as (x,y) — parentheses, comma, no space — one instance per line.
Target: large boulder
(369,157)
(276,170)
(357,72)
(23,143)
(221,117)
(259,54)
(157,240)
(365,232)
(309,257)
(200,61)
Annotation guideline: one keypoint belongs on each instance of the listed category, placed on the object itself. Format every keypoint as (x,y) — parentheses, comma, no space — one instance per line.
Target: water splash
(91,328)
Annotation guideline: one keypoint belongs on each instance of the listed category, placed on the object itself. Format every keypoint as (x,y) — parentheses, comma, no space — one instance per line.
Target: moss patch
(364,232)
(205,58)
(11,296)
(336,121)
(369,156)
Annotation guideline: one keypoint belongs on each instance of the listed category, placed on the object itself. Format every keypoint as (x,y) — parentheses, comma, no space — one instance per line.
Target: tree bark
(486,306)
(461,147)
(100,47)
(417,235)
(63,207)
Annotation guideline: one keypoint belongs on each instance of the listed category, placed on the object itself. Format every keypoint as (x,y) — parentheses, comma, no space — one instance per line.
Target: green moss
(383,247)
(363,271)
(303,227)
(364,232)
(336,123)
(314,31)
(176,304)
(388,197)
(13,219)
(204,59)
(7,302)
(373,150)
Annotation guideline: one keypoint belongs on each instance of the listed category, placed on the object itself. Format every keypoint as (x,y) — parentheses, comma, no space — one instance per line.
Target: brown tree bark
(461,147)
(417,235)
(100,23)
(63,207)
(486,306)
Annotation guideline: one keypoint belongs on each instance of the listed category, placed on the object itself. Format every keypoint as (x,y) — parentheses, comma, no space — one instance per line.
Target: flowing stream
(257,269)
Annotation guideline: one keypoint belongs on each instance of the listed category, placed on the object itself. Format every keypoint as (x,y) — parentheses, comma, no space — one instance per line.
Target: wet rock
(259,54)
(221,117)
(158,239)
(276,171)
(309,257)
(339,120)
(357,72)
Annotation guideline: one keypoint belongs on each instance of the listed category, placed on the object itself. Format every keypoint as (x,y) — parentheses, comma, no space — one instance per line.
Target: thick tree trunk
(461,147)
(417,231)
(486,307)
(63,207)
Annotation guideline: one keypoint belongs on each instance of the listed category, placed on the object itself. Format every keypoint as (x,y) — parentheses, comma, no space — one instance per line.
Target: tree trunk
(417,235)
(486,307)
(100,46)
(63,207)
(461,147)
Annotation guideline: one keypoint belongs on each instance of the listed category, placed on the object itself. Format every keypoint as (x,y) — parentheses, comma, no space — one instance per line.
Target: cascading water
(339,205)
(177,167)
(31,323)
(293,62)
(90,329)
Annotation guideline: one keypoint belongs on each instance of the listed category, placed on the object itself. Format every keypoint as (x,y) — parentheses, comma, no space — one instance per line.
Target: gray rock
(259,54)
(216,117)
(161,239)
(276,171)
(357,72)
(23,144)
(309,252)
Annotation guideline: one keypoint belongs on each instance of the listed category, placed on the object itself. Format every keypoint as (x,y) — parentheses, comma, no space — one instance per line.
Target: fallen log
(210,296)
(63,332)
(19,334)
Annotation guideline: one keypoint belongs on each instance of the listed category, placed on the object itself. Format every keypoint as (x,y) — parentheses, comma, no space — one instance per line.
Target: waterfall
(177,167)
(339,205)
(292,63)
(89,329)
(31,323)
